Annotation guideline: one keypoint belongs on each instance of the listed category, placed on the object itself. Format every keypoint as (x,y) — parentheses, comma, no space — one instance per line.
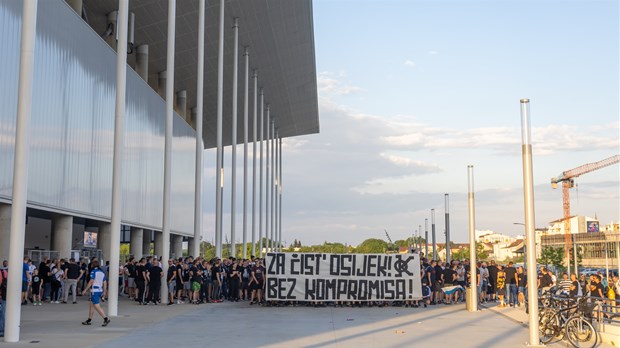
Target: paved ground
(241,325)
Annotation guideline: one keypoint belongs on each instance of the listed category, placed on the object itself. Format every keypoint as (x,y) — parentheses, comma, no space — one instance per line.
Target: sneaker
(86,322)
(106,321)
(74,302)
(170,303)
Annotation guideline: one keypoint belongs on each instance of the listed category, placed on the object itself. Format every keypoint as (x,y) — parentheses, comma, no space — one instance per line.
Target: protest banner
(342,277)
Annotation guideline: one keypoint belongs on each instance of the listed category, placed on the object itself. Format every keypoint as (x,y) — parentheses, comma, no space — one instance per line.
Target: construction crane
(568,182)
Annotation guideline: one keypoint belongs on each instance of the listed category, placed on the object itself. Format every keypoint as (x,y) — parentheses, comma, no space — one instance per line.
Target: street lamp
(524,245)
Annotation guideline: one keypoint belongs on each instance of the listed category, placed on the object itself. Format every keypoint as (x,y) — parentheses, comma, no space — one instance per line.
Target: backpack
(611,294)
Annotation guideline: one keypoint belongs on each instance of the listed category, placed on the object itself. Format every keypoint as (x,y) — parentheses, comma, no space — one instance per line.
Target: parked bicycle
(566,318)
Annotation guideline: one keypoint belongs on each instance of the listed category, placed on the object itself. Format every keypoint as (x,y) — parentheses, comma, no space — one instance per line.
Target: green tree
(372,245)
(552,256)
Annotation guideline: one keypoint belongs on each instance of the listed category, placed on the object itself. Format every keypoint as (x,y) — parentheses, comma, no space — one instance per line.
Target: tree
(372,245)
(552,256)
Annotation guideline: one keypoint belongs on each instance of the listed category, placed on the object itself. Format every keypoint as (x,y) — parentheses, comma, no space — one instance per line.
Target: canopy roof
(280,39)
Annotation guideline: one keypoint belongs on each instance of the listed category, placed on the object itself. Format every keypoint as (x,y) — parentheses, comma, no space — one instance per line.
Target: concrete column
(5,231)
(103,239)
(62,235)
(112,18)
(136,242)
(161,83)
(192,121)
(142,62)
(182,104)
(191,246)
(158,245)
(147,236)
(177,245)
(76,5)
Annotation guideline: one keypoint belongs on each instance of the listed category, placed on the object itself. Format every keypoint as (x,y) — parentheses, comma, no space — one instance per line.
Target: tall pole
(426,238)
(254,126)
(530,237)
(233,163)
(472,240)
(245,153)
(275,190)
(117,166)
(219,181)
(280,192)
(420,238)
(267,236)
(168,145)
(575,256)
(260,173)
(199,147)
(272,181)
(433,234)
(447,205)
(20,172)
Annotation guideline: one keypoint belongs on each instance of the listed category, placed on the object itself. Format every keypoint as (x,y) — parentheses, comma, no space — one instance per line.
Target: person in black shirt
(141,280)
(257,282)
(492,280)
(544,280)
(44,273)
(234,277)
(449,275)
(73,274)
(574,286)
(130,272)
(153,276)
(437,297)
(246,273)
(217,281)
(37,285)
(195,273)
(171,277)
(511,284)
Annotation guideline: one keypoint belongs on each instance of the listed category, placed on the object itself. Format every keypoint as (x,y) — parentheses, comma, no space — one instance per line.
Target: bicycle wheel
(581,333)
(548,324)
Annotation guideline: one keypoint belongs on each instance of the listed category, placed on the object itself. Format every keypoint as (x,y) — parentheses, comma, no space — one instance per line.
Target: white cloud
(409,63)
(332,84)
(432,53)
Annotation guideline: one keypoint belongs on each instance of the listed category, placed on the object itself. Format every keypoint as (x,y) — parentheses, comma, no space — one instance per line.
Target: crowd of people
(197,280)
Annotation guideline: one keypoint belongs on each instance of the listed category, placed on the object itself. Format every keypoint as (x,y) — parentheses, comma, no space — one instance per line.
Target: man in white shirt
(97,285)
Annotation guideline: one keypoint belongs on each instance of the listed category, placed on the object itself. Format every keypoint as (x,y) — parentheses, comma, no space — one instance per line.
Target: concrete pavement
(241,325)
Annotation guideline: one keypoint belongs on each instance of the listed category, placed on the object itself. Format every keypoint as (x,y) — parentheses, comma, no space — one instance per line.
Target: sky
(411,92)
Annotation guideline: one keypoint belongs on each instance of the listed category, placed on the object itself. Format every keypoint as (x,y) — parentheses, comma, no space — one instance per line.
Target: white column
(117,166)
(254,126)
(447,208)
(136,241)
(233,164)
(158,243)
(142,62)
(280,192)
(20,172)
(62,235)
(177,245)
(433,234)
(472,240)
(275,188)
(165,252)
(245,153)
(191,245)
(267,181)
(530,233)
(272,184)
(260,172)
(5,231)
(195,242)
(219,182)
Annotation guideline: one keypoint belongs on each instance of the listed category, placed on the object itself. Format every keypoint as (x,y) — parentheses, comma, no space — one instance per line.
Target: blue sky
(411,92)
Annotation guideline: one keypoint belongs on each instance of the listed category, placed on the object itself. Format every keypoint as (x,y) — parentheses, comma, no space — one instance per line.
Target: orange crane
(568,182)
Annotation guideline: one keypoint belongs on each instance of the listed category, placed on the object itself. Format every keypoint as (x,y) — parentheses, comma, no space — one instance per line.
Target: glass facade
(72,126)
